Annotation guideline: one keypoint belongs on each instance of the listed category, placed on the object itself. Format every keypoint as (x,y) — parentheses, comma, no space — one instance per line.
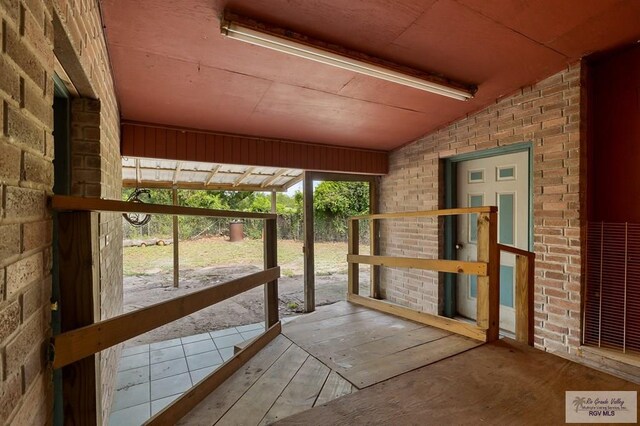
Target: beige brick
(23,273)
(32,298)
(22,130)
(9,241)
(9,320)
(9,79)
(29,338)
(24,203)
(10,393)
(36,235)
(38,170)
(37,105)
(33,365)
(9,161)
(24,57)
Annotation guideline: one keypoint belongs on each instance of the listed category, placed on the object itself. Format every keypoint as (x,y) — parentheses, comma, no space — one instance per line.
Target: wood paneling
(153,141)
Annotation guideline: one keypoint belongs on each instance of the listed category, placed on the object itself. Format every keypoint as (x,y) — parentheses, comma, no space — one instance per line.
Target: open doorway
(329,200)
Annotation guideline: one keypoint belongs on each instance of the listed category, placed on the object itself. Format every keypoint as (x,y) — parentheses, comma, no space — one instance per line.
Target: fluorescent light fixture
(239,32)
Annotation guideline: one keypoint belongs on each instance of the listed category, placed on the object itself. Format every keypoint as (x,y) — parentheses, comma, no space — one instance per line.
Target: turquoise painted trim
(59,88)
(449,309)
(450,202)
(61,186)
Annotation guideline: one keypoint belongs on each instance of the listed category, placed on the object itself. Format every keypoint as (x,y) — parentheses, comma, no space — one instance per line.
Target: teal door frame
(451,185)
(61,186)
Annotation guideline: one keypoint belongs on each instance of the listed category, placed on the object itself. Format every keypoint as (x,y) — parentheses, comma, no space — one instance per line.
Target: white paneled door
(501,181)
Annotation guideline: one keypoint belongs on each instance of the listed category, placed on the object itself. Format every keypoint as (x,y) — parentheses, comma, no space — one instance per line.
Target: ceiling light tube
(239,32)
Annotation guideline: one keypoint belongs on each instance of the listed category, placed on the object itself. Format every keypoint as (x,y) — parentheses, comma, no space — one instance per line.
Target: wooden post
(524,299)
(374,241)
(274,201)
(309,259)
(176,251)
(488,308)
(354,248)
(270,261)
(79,295)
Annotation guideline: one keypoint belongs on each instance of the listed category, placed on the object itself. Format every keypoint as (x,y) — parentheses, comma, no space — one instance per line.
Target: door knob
(459,246)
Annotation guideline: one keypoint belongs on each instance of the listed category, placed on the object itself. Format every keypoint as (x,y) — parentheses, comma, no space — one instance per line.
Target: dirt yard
(149,279)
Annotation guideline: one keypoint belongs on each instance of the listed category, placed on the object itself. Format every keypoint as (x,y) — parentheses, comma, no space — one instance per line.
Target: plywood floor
(280,380)
(367,347)
(320,357)
(498,383)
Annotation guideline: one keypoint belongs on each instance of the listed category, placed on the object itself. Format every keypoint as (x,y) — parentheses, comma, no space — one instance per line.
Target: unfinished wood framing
(525,263)
(176,239)
(79,304)
(309,240)
(68,203)
(309,230)
(353,250)
(82,342)
(440,265)
(271,261)
(488,289)
(374,240)
(179,408)
(487,269)
(458,327)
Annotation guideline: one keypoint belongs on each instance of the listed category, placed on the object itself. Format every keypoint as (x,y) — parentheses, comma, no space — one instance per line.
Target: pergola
(175,174)
(169,174)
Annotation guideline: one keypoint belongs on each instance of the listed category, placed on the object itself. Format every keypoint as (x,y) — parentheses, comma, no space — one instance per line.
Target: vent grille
(612,304)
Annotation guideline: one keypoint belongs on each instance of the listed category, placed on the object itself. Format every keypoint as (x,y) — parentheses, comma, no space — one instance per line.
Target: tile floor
(152,376)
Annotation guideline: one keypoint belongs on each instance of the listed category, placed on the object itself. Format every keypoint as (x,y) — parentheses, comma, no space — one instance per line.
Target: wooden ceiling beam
(177,172)
(213,173)
(243,176)
(268,181)
(200,185)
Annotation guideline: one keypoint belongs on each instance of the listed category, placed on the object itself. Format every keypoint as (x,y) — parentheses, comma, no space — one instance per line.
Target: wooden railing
(486,268)
(525,265)
(83,334)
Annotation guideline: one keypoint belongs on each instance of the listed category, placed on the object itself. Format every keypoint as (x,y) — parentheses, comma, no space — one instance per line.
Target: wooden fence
(84,334)
(486,268)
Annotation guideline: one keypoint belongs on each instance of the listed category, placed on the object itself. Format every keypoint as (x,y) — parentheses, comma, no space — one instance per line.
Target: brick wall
(95,154)
(26,178)
(28,30)
(547,114)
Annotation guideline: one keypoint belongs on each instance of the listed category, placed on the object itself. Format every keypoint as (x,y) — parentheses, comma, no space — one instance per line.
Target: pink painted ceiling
(173,67)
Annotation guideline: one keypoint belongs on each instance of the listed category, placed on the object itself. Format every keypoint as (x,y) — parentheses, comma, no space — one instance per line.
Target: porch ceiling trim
(143,140)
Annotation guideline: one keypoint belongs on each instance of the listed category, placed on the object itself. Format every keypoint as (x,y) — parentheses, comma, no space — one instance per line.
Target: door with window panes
(501,181)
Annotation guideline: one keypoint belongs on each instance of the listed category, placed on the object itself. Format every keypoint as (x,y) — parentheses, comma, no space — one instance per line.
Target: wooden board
(79,301)
(256,402)
(394,342)
(328,311)
(367,347)
(504,382)
(217,403)
(334,388)
(429,213)
(190,399)
(79,343)
(454,266)
(66,203)
(366,373)
(301,392)
(455,326)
